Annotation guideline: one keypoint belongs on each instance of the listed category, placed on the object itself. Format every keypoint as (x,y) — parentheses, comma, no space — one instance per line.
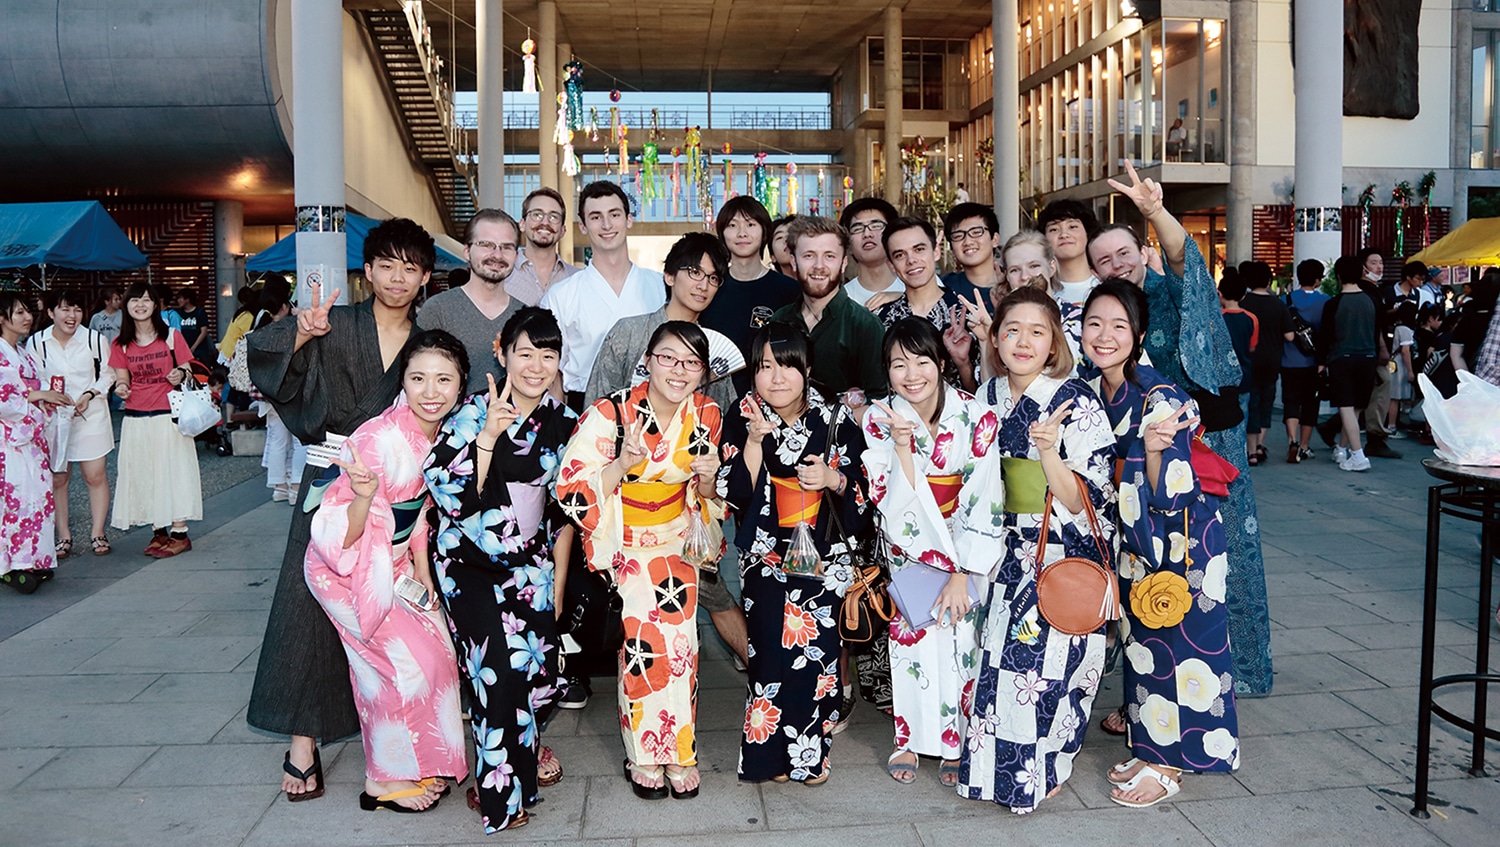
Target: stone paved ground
(122,713)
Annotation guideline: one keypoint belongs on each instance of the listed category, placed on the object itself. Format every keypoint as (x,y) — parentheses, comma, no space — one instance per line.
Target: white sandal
(1148,772)
(1116,775)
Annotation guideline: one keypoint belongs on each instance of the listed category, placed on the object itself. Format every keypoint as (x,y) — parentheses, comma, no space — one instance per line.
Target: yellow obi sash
(945,488)
(794,505)
(652,503)
(1025,486)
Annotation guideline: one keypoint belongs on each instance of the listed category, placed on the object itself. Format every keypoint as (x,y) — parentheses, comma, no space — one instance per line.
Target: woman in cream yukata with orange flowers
(640,468)
(922,447)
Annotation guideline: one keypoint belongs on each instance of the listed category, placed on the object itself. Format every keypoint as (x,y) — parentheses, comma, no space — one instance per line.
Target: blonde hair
(1035,239)
(1060,359)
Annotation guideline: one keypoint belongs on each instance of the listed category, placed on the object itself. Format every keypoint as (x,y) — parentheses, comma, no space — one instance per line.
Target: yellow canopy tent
(1475,243)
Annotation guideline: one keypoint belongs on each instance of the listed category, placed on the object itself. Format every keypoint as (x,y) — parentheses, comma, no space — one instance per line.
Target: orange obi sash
(794,505)
(652,503)
(945,488)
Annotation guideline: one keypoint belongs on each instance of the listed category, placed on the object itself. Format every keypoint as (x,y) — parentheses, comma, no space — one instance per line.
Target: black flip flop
(313,772)
(1124,718)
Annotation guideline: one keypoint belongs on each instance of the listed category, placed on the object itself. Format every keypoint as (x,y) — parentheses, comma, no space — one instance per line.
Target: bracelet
(483,449)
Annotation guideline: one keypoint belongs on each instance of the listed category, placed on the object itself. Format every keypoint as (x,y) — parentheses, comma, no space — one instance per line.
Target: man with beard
(845,337)
(476,311)
(543,216)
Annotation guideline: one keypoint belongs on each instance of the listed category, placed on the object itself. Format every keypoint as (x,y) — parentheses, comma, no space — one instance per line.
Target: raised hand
(362,480)
(1153,259)
(1159,436)
(1145,194)
(956,338)
(501,413)
(1044,433)
(977,314)
(757,425)
(901,428)
(313,320)
(633,449)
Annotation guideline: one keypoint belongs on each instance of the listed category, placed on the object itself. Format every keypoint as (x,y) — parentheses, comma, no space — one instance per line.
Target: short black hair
(866,204)
(778,224)
(689,251)
(964,211)
(401,239)
(57,298)
(539,326)
(919,337)
(1310,273)
(1062,210)
(601,188)
(790,348)
(690,334)
(1132,298)
(1349,269)
(1255,274)
(437,341)
(1232,286)
(744,204)
(135,291)
(187,293)
(1417,269)
(902,225)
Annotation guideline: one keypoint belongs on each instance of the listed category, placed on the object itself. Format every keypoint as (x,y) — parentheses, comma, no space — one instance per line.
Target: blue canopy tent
(76,235)
(282,256)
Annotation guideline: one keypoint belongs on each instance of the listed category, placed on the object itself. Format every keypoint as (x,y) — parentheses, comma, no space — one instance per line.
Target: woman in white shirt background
(80,356)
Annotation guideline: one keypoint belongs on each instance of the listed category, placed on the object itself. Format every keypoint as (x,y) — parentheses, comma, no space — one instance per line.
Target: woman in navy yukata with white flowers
(490,474)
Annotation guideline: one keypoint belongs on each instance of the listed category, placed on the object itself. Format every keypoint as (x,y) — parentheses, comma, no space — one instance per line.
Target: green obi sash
(1025,486)
(406,513)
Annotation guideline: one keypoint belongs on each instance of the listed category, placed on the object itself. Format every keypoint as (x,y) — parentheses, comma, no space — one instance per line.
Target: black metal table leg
(1429,622)
(1482,651)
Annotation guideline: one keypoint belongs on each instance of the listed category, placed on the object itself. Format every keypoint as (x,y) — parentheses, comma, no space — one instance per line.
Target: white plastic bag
(194,411)
(1465,426)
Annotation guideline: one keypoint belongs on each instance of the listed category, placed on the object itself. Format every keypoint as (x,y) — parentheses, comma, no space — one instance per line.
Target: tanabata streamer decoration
(528,65)
(791,188)
(1401,198)
(573,85)
(1424,191)
(676,179)
(562,136)
(1366,203)
(694,150)
(729,178)
(760,181)
(848,190)
(593,124)
(706,190)
(622,132)
(773,195)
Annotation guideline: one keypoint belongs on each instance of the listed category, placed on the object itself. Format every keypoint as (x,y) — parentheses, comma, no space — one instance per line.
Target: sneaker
(1293,455)
(575,694)
(846,710)
(1305,454)
(173,545)
(1340,455)
(1355,462)
(1395,432)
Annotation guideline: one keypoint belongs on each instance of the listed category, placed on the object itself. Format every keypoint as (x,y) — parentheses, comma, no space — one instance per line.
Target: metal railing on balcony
(676,118)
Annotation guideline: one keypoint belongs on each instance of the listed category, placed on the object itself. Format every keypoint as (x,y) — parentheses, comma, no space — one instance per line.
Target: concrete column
(892,142)
(1318,84)
(489,21)
(1239,206)
(565,185)
(546,65)
(229,260)
(1463,70)
(318,146)
(1006,104)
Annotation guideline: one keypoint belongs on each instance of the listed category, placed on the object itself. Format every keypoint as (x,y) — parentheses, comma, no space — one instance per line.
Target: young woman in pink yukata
(368,535)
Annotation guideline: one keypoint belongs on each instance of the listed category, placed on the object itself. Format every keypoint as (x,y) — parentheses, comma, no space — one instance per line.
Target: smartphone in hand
(415,593)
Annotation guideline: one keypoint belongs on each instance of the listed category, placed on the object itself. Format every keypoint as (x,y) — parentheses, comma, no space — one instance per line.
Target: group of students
(435,538)
(55,391)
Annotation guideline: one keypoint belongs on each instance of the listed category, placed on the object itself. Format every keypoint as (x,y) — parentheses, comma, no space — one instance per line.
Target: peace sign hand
(1044,433)
(1159,435)
(362,480)
(977,314)
(633,449)
(313,320)
(901,428)
(956,338)
(500,414)
(757,425)
(1145,194)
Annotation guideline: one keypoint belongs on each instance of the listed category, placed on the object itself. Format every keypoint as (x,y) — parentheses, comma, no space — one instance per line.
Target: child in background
(1403,357)
(1244,331)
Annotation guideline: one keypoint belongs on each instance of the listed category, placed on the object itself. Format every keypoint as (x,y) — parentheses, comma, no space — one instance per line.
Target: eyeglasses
(490,246)
(697,275)
(538,216)
(867,226)
(668,361)
(975,232)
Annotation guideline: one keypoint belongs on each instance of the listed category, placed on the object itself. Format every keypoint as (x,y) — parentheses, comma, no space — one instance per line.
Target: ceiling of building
(774,45)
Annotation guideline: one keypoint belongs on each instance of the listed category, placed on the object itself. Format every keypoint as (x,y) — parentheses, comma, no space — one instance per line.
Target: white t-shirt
(1077,292)
(586,307)
(859,294)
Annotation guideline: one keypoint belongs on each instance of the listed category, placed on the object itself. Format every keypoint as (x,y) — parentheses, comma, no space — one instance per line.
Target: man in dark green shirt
(845,336)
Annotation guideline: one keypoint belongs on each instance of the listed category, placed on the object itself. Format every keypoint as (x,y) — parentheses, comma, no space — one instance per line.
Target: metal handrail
(676,118)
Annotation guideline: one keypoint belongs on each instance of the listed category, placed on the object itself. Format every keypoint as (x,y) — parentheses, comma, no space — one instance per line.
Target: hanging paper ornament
(676,180)
(791,188)
(694,150)
(1424,190)
(1366,204)
(812,205)
(614,95)
(649,156)
(729,179)
(570,163)
(706,191)
(593,126)
(528,65)
(1401,198)
(728,148)
(773,195)
(848,190)
(621,132)
(561,133)
(573,85)
(760,182)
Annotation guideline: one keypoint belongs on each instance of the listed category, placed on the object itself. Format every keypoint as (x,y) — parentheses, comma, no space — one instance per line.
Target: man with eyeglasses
(543,216)
(876,283)
(974,234)
(476,311)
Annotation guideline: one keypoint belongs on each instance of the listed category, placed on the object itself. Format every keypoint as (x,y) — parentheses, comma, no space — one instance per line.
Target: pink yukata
(25,477)
(401,659)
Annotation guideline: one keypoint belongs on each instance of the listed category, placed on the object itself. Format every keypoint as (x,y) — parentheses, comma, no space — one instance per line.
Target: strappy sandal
(521,819)
(1122,772)
(1170,787)
(948,774)
(64,548)
(314,771)
(549,770)
(1121,722)
(819,780)
(645,792)
(100,545)
(898,769)
(680,778)
(388,801)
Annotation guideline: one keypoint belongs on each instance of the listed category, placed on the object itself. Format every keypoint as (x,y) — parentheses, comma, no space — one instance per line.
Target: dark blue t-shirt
(1241,325)
(742,307)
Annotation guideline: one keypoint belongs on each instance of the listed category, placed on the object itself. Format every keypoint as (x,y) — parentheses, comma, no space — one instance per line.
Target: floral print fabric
(793,695)
(25,475)
(930,667)
(401,659)
(658,678)
(1179,678)
(1030,702)
(492,552)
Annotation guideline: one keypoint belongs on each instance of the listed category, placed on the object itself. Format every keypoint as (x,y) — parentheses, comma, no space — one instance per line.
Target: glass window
(1482,153)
